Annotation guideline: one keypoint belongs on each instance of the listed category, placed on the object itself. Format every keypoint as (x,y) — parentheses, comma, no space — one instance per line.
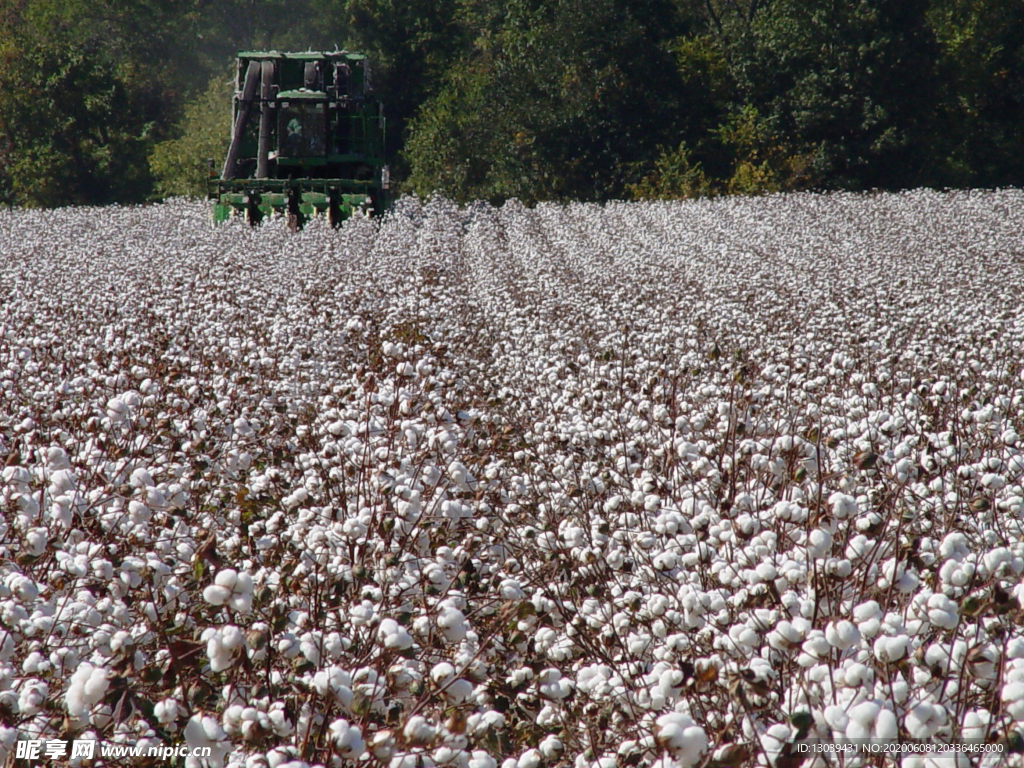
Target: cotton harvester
(307,139)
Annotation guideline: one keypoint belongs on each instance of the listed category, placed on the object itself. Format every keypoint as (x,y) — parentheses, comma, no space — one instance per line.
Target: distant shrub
(179,165)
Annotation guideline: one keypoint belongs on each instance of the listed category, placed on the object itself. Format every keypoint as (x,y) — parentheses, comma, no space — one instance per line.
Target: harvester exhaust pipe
(252,78)
(266,109)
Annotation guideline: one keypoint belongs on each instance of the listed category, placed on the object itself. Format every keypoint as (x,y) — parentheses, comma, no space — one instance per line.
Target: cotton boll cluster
(451,622)
(87,686)
(230,588)
(685,741)
(394,635)
(201,733)
(347,739)
(451,487)
(222,645)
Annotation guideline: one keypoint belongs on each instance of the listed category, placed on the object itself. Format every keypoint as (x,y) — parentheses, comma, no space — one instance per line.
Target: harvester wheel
(293,214)
(253,214)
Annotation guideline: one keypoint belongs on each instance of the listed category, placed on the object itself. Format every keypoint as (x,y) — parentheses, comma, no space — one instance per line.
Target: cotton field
(661,484)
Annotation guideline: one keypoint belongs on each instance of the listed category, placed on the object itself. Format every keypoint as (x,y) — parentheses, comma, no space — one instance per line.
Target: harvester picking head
(307,139)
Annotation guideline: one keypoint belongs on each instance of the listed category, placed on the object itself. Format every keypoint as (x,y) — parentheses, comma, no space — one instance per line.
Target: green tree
(74,131)
(850,84)
(981,71)
(561,100)
(179,165)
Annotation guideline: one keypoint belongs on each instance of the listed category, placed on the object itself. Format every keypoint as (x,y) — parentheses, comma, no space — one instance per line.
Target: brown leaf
(207,551)
(732,755)
(865,459)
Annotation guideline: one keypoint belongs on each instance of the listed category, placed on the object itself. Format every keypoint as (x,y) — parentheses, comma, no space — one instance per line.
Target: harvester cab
(307,139)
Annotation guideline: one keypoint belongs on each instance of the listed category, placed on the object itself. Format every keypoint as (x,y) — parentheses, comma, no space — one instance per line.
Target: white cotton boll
(241,598)
(789,512)
(221,644)
(353,528)
(836,718)
(201,732)
(232,719)
(866,611)
(1014,648)
(166,711)
(993,481)
(842,634)
(774,738)
(677,734)
(551,746)
(1012,696)
(418,731)
(216,595)
(671,681)
(347,739)
(766,572)
(509,589)
(954,546)
(394,635)
(794,630)
(891,649)
(819,543)
(60,511)
(31,697)
(140,478)
(942,612)
(458,691)
(231,588)
(481,759)
(452,623)
(552,685)
(231,637)
(924,720)
(976,724)
(461,476)
(62,481)
(442,673)
(57,458)
(871,720)
(817,645)
(226,578)
(219,659)
(856,675)
(23,589)
(843,505)
(531,758)
(34,664)
(279,721)
(117,410)
(993,559)
(138,512)
(96,685)
(35,538)
(88,685)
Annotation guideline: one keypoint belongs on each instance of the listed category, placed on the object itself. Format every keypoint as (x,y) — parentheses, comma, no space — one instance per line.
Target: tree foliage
(180,164)
(535,99)
(75,131)
(561,99)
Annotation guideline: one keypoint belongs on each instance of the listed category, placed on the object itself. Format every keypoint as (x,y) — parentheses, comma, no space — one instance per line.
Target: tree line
(124,100)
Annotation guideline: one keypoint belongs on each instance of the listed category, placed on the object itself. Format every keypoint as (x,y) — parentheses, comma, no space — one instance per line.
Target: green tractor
(307,139)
